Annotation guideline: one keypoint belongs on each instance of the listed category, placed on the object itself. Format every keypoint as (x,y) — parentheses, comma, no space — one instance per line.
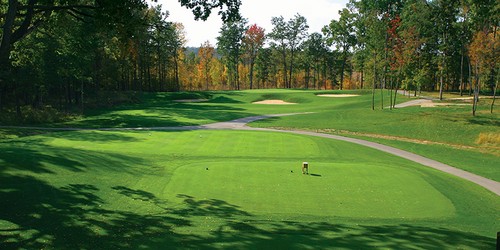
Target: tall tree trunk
(381,96)
(392,88)
(492,103)
(395,95)
(237,76)
(493,74)
(362,76)
(291,69)
(342,68)
(176,71)
(148,72)
(285,75)
(470,78)
(6,42)
(386,56)
(374,80)
(441,85)
(462,72)
(442,68)
(252,62)
(476,91)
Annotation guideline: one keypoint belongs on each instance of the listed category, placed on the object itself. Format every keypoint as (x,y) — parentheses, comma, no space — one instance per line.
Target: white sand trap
(191,100)
(338,95)
(280,102)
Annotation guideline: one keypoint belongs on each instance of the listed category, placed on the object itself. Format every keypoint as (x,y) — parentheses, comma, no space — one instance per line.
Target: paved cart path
(241,124)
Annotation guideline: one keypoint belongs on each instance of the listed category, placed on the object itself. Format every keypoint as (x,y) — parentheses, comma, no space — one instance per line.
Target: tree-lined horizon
(57,54)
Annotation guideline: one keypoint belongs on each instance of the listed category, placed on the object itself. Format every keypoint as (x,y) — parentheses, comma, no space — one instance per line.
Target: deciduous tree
(205,55)
(342,34)
(229,44)
(252,42)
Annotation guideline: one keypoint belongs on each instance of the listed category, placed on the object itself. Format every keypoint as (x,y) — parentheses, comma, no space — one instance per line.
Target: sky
(317,12)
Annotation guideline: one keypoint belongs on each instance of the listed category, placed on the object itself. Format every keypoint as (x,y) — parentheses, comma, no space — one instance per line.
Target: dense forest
(65,55)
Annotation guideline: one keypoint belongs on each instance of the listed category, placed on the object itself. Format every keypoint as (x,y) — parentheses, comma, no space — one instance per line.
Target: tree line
(440,45)
(57,54)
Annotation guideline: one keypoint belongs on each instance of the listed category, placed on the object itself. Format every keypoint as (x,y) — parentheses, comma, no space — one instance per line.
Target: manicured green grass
(244,189)
(332,189)
(93,189)
(160,109)
(481,163)
(442,124)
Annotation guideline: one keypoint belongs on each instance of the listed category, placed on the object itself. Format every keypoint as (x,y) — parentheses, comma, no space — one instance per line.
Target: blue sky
(317,12)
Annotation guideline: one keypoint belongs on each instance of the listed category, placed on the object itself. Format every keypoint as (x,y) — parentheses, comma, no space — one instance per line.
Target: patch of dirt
(279,102)
(431,104)
(191,100)
(427,104)
(337,95)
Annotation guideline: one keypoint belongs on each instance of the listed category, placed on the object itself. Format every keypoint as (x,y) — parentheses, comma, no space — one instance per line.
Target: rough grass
(134,190)
(489,139)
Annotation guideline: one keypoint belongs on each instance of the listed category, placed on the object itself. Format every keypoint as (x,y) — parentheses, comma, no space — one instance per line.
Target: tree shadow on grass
(92,136)
(169,115)
(33,156)
(324,235)
(482,120)
(73,217)
(40,215)
(20,157)
(9,134)
(224,99)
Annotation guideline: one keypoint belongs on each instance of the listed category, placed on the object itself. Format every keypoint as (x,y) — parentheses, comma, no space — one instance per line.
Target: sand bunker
(337,95)
(281,102)
(191,100)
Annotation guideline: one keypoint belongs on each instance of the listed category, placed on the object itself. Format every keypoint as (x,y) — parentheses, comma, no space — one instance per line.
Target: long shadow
(75,217)
(169,115)
(33,156)
(324,235)
(481,120)
(20,157)
(92,136)
(128,121)
(8,134)
(224,99)
(162,111)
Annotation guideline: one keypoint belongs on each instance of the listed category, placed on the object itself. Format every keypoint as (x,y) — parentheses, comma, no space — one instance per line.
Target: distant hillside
(192,49)
(196,49)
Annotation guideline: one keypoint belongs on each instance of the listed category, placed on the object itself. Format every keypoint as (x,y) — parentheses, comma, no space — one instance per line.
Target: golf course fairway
(230,189)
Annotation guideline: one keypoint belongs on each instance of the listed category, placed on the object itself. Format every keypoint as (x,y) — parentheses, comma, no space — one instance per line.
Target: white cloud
(317,12)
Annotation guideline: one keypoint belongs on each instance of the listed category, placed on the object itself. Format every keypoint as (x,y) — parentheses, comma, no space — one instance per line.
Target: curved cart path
(241,124)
